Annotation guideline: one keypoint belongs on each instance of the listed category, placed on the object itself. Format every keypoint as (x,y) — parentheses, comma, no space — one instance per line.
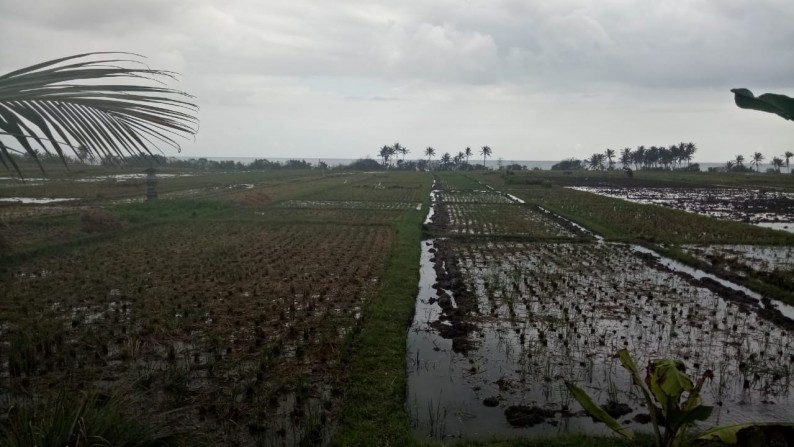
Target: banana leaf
(597,412)
(768,102)
(748,434)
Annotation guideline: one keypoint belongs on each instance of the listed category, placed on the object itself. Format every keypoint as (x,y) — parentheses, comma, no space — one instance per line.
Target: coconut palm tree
(78,102)
(610,154)
(788,155)
(739,161)
(386,153)
(625,157)
(689,152)
(446,159)
(430,152)
(458,159)
(638,157)
(777,162)
(596,161)
(756,160)
(468,153)
(399,149)
(729,165)
(485,152)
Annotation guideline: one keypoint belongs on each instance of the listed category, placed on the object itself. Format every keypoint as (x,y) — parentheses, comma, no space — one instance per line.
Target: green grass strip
(373,411)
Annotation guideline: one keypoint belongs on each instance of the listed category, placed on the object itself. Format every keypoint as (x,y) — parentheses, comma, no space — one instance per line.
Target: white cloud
(278,78)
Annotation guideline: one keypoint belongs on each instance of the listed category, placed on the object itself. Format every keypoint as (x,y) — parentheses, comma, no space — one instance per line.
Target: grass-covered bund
(268,308)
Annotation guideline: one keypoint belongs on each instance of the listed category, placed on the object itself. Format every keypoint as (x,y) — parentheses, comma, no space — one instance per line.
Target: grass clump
(91,420)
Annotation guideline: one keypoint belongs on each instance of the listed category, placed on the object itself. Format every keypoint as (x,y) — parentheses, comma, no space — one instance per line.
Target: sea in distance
(491,163)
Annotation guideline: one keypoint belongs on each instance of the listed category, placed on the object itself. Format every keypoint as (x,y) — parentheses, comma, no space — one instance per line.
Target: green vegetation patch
(451,180)
(388,187)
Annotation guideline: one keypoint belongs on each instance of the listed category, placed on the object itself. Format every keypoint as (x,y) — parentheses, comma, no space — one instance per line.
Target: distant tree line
(390,154)
(145,160)
(738,164)
(675,156)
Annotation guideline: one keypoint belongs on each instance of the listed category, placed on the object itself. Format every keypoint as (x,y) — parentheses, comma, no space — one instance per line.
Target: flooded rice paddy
(500,323)
(768,208)
(758,258)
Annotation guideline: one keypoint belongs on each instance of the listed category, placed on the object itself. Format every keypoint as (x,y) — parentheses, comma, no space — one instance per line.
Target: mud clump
(617,409)
(772,435)
(642,418)
(524,416)
(440,219)
(452,323)
(455,329)
(491,401)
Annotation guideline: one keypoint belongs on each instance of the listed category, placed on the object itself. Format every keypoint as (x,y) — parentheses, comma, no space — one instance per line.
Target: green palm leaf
(768,102)
(76,101)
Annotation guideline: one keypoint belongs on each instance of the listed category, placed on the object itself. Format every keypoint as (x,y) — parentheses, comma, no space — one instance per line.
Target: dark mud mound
(454,299)
(617,409)
(524,416)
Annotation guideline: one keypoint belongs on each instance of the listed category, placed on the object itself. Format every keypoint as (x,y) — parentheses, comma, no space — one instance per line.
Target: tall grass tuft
(92,420)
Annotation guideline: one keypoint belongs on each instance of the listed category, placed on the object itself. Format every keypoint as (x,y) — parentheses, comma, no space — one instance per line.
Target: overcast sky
(535,80)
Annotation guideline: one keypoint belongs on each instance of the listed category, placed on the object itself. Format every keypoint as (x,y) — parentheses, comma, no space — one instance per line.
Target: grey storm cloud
(347,76)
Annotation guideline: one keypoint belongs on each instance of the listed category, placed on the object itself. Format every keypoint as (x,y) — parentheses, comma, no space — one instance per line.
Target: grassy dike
(373,411)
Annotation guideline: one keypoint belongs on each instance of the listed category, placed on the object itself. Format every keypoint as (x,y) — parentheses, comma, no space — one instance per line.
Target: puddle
(432,208)
(514,198)
(781,226)
(125,177)
(35,200)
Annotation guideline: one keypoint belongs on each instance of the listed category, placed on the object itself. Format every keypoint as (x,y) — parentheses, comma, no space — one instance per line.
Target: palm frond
(76,102)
